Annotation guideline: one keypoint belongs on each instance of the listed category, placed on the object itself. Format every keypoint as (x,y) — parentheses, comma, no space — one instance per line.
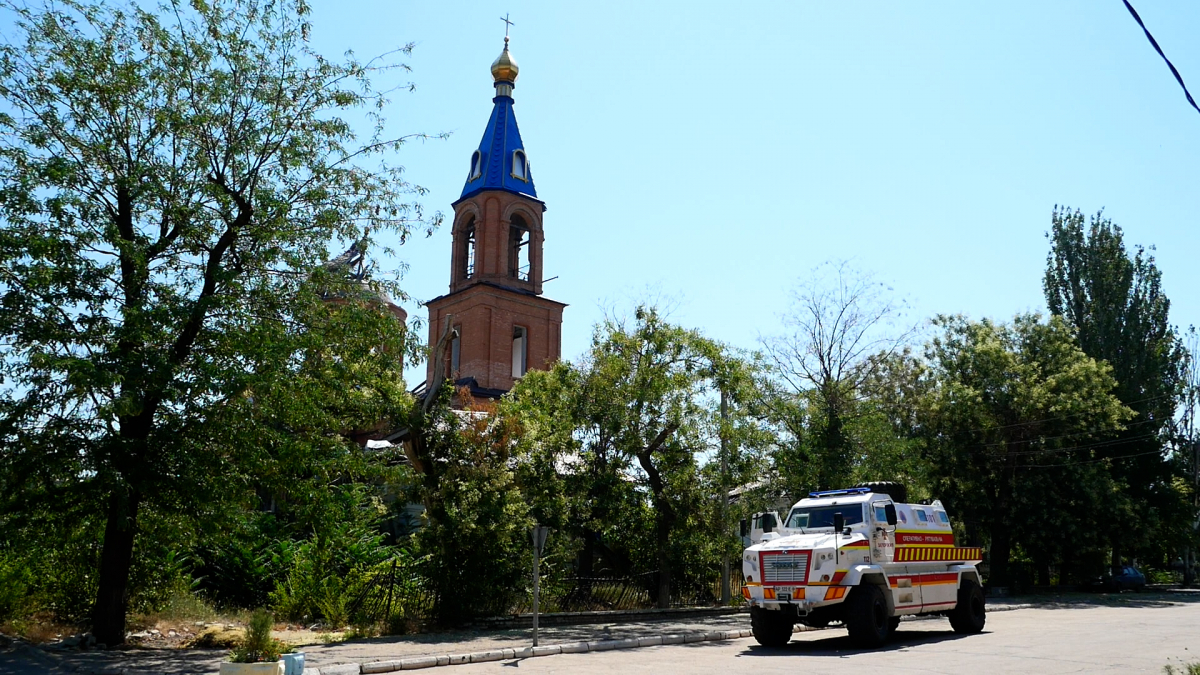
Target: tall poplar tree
(170,182)
(1116,304)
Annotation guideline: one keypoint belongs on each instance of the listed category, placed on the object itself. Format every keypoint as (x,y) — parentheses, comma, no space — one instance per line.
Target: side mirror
(745,529)
(768,522)
(839,523)
(889,511)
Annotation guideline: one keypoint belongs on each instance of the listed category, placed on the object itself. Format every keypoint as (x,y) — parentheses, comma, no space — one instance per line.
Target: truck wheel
(770,628)
(893,625)
(897,491)
(867,616)
(968,615)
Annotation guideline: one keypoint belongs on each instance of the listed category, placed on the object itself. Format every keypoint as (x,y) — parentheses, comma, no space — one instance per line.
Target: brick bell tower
(501,325)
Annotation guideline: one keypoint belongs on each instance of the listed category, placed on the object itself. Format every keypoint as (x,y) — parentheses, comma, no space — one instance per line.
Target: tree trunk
(1043,572)
(1000,550)
(664,514)
(663,531)
(587,556)
(116,556)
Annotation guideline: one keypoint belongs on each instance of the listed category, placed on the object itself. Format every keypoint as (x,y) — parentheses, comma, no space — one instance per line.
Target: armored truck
(858,557)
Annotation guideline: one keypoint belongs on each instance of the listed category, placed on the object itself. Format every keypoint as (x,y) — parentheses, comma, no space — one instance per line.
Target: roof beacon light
(835,493)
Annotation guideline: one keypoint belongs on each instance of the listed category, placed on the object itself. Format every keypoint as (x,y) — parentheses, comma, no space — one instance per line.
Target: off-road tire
(867,616)
(893,625)
(771,628)
(969,615)
(897,491)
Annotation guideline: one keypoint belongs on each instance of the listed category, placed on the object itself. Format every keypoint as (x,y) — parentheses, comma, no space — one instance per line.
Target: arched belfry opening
(518,249)
(465,249)
(501,324)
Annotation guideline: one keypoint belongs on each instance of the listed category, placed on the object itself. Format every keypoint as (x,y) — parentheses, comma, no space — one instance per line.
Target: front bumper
(804,598)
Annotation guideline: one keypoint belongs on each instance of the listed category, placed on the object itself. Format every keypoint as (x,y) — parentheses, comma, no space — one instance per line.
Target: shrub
(258,645)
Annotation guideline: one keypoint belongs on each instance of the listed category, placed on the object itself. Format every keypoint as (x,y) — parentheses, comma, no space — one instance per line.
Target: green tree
(1116,304)
(1014,417)
(475,543)
(636,419)
(842,326)
(170,183)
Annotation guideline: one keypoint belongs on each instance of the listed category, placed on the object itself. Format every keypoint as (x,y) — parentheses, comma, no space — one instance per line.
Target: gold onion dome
(504,68)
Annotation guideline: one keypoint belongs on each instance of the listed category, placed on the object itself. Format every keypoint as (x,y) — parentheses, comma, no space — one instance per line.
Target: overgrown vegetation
(187,384)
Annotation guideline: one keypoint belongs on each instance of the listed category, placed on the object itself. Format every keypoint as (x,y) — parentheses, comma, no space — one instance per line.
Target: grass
(38,628)
(181,606)
(1184,669)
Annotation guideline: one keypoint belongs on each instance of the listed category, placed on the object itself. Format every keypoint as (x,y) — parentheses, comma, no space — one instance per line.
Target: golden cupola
(504,68)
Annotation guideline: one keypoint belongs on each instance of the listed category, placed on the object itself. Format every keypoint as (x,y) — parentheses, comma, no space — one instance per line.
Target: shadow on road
(1086,600)
(838,644)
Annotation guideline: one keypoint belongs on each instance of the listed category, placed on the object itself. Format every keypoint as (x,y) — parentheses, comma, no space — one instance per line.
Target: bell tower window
(466,249)
(519,347)
(476,166)
(455,346)
(520,165)
(518,249)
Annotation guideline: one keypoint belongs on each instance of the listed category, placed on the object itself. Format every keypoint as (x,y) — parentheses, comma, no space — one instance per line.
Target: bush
(258,645)
(474,552)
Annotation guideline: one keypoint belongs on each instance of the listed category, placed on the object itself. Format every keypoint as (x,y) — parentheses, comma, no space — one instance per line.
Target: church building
(501,325)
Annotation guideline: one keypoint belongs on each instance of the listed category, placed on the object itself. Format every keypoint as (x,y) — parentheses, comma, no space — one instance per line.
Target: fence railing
(400,590)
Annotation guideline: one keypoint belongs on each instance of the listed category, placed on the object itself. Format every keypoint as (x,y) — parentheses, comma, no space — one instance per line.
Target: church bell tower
(501,325)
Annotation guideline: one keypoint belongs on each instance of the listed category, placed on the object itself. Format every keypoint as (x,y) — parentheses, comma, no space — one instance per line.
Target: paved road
(1084,634)
(1078,639)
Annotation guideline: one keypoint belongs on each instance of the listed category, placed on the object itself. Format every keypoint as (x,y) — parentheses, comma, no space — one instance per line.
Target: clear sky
(716,152)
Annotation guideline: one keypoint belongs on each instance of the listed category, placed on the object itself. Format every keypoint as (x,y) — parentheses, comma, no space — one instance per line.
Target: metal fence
(398,591)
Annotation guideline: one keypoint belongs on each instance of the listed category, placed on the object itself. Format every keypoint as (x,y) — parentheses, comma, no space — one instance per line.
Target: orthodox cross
(507,24)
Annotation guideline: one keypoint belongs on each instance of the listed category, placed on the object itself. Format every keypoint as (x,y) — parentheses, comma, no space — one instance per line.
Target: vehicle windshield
(822,516)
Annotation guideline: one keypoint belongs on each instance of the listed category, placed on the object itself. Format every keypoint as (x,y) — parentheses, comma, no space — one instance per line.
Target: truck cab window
(822,516)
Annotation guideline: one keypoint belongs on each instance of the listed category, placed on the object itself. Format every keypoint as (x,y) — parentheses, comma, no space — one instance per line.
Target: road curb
(421,662)
(607,616)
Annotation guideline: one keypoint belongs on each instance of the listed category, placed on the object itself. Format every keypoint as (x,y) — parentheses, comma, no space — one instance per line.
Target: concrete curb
(607,616)
(418,662)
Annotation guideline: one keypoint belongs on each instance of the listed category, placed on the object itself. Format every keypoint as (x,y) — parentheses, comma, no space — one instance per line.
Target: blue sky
(715,153)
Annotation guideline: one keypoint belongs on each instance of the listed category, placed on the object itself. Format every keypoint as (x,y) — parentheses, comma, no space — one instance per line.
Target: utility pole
(539,533)
(725,582)
(1189,558)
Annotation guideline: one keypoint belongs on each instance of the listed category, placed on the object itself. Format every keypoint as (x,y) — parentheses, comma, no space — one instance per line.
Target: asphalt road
(1134,638)
(1126,633)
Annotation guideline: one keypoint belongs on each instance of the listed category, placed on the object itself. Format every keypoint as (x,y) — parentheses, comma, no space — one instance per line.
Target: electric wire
(1154,43)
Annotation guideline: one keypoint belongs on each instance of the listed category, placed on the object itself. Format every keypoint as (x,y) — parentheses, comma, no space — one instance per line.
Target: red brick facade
(495,287)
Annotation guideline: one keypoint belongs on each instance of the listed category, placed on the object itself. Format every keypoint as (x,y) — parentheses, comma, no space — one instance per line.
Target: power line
(1044,438)
(1154,43)
(1086,461)
(1127,404)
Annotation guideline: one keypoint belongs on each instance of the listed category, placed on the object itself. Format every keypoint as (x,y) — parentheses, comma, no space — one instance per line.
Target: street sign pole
(539,533)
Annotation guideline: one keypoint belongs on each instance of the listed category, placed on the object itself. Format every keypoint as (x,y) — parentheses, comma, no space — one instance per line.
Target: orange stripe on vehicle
(837,577)
(943,578)
(835,592)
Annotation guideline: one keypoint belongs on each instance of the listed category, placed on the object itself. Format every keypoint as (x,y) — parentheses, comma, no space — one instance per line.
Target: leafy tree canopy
(171,181)
(1015,421)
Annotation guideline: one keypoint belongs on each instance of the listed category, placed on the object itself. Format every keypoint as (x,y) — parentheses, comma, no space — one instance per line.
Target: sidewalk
(26,660)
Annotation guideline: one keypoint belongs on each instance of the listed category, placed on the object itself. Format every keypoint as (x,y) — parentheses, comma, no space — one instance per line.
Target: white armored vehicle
(858,557)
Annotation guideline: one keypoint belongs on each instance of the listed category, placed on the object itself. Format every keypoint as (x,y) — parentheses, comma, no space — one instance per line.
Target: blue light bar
(846,491)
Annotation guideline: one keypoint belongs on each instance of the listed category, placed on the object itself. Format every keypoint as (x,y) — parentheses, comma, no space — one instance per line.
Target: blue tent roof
(497,151)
